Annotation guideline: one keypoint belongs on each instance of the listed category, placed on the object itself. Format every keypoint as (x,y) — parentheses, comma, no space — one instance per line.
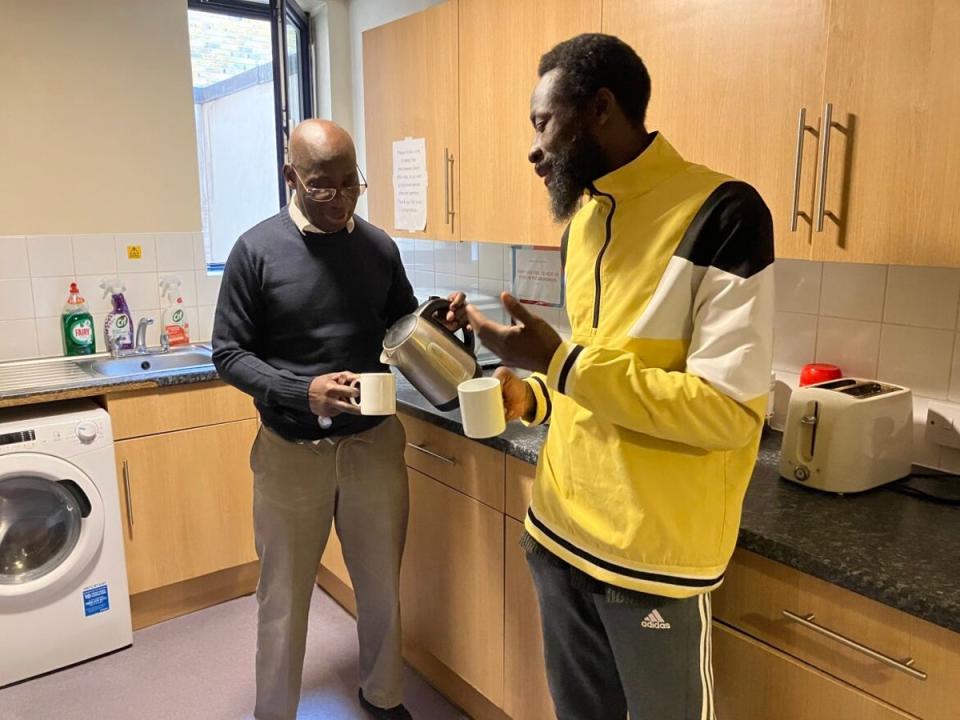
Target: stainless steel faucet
(141,343)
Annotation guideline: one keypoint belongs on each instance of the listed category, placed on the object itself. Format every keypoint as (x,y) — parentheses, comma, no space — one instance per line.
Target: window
(243,115)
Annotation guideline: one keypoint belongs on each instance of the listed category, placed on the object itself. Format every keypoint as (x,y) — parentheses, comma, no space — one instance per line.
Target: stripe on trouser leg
(705,690)
(713,709)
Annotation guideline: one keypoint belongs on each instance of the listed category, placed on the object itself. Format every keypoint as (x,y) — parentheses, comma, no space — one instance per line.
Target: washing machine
(63,580)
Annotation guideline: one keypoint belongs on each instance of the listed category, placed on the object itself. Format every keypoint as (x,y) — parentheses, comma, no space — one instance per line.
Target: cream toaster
(847,435)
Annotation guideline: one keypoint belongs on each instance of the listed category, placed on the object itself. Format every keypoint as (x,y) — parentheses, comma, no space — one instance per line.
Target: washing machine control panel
(54,438)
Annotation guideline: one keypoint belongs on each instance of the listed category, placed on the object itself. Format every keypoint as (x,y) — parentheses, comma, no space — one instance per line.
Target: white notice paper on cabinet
(410,184)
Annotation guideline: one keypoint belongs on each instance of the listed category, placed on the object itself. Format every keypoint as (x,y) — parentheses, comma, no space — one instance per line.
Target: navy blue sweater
(295,306)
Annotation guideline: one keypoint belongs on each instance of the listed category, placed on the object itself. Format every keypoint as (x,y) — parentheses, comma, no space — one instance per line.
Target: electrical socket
(943,424)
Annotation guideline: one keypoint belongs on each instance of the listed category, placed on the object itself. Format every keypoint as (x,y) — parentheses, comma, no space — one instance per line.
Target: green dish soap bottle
(77,325)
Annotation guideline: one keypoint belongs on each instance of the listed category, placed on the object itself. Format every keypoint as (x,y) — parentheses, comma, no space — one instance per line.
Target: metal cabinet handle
(448,185)
(431,453)
(824,162)
(798,169)
(128,496)
(904,666)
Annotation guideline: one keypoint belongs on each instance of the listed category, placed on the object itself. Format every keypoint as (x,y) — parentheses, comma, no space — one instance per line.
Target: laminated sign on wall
(538,276)
(410,184)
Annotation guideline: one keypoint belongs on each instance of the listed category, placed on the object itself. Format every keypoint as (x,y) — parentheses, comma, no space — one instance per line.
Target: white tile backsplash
(950,460)
(37,271)
(175,252)
(794,342)
(16,299)
(423,255)
(50,294)
(143,292)
(199,252)
(208,287)
(491,261)
(445,282)
(147,262)
(853,345)
(422,279)
(924,451)
(922,296)
(445,257)
(13,250)
(918,358)
(50,255)
(954,393)
(468,260)
(18,339)
(853,291)
(205,322)
(48,336)
(95,255)
(798,286)
(92,293)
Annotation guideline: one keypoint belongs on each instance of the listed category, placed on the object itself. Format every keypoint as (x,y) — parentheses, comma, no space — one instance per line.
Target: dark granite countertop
(899,550)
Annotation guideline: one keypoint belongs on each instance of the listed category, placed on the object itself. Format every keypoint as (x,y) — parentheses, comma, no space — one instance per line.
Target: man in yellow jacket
(656,402)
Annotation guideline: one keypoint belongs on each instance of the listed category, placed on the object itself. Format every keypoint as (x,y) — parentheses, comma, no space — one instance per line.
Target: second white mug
(481,407)
(377,394)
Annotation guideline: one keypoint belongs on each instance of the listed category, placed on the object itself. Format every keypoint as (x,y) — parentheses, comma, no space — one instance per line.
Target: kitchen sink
(150,363)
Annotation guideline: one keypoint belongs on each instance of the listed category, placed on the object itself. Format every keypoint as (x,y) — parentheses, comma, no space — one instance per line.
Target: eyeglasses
(322,195)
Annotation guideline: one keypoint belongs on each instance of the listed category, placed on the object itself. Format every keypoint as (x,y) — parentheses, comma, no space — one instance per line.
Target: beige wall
(96,118)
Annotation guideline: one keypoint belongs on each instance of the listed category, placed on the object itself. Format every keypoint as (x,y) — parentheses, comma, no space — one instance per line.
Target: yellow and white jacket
(656,404)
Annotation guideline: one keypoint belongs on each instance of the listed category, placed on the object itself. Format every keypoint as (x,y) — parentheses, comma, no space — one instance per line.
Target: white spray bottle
(174,322)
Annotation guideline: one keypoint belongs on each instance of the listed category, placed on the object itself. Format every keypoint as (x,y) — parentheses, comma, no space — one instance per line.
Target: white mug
(377,394)
(481,407)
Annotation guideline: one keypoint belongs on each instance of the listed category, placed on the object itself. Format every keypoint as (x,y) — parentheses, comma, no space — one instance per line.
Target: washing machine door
(51,523)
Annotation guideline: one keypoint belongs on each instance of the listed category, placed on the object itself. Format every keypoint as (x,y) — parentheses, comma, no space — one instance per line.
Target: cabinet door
(894,160)
(410,90)
(501,42)
(731,99)
(188,499)
(755,682)
(452,583)
(525,692)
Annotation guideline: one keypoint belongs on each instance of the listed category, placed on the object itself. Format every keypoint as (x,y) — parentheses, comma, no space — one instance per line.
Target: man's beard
(572,171)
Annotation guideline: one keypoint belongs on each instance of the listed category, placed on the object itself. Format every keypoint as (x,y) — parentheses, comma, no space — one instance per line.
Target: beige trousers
(300,488)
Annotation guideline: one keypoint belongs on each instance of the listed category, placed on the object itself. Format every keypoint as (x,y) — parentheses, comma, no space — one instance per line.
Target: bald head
(319,142)
(322,156)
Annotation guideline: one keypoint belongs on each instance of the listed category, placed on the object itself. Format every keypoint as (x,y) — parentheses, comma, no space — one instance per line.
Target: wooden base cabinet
(187,503)
(525,692)
(452,583)
(756,682)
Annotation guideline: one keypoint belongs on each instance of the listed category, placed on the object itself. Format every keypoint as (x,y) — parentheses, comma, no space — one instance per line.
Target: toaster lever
(809,420)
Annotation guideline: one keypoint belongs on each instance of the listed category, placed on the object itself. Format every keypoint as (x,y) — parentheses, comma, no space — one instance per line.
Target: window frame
(279,13)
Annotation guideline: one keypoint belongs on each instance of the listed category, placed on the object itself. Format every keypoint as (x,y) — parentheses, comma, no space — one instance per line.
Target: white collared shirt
(300,220)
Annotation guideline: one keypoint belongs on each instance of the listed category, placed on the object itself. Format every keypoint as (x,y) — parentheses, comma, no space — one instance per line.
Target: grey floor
(200,667)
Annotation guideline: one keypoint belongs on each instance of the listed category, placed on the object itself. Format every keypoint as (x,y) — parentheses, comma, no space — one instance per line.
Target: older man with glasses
(306,298)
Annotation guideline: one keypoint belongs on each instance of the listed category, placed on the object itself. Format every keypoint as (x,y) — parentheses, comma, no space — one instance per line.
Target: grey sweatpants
(299,489)
(651,656)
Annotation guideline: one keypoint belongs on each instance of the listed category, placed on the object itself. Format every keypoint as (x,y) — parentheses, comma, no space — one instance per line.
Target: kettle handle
(434,304)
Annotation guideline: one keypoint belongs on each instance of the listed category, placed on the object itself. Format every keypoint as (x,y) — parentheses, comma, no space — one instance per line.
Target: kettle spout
(386,359)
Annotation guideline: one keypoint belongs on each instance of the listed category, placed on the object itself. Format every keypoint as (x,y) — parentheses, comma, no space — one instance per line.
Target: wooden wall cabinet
(501,42)
(732,99)
(410,90)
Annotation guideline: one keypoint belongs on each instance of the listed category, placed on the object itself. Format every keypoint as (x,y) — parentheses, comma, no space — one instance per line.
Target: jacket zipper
(596,270)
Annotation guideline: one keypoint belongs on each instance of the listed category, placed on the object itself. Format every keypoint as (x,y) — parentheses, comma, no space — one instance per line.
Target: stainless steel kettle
(431,357)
